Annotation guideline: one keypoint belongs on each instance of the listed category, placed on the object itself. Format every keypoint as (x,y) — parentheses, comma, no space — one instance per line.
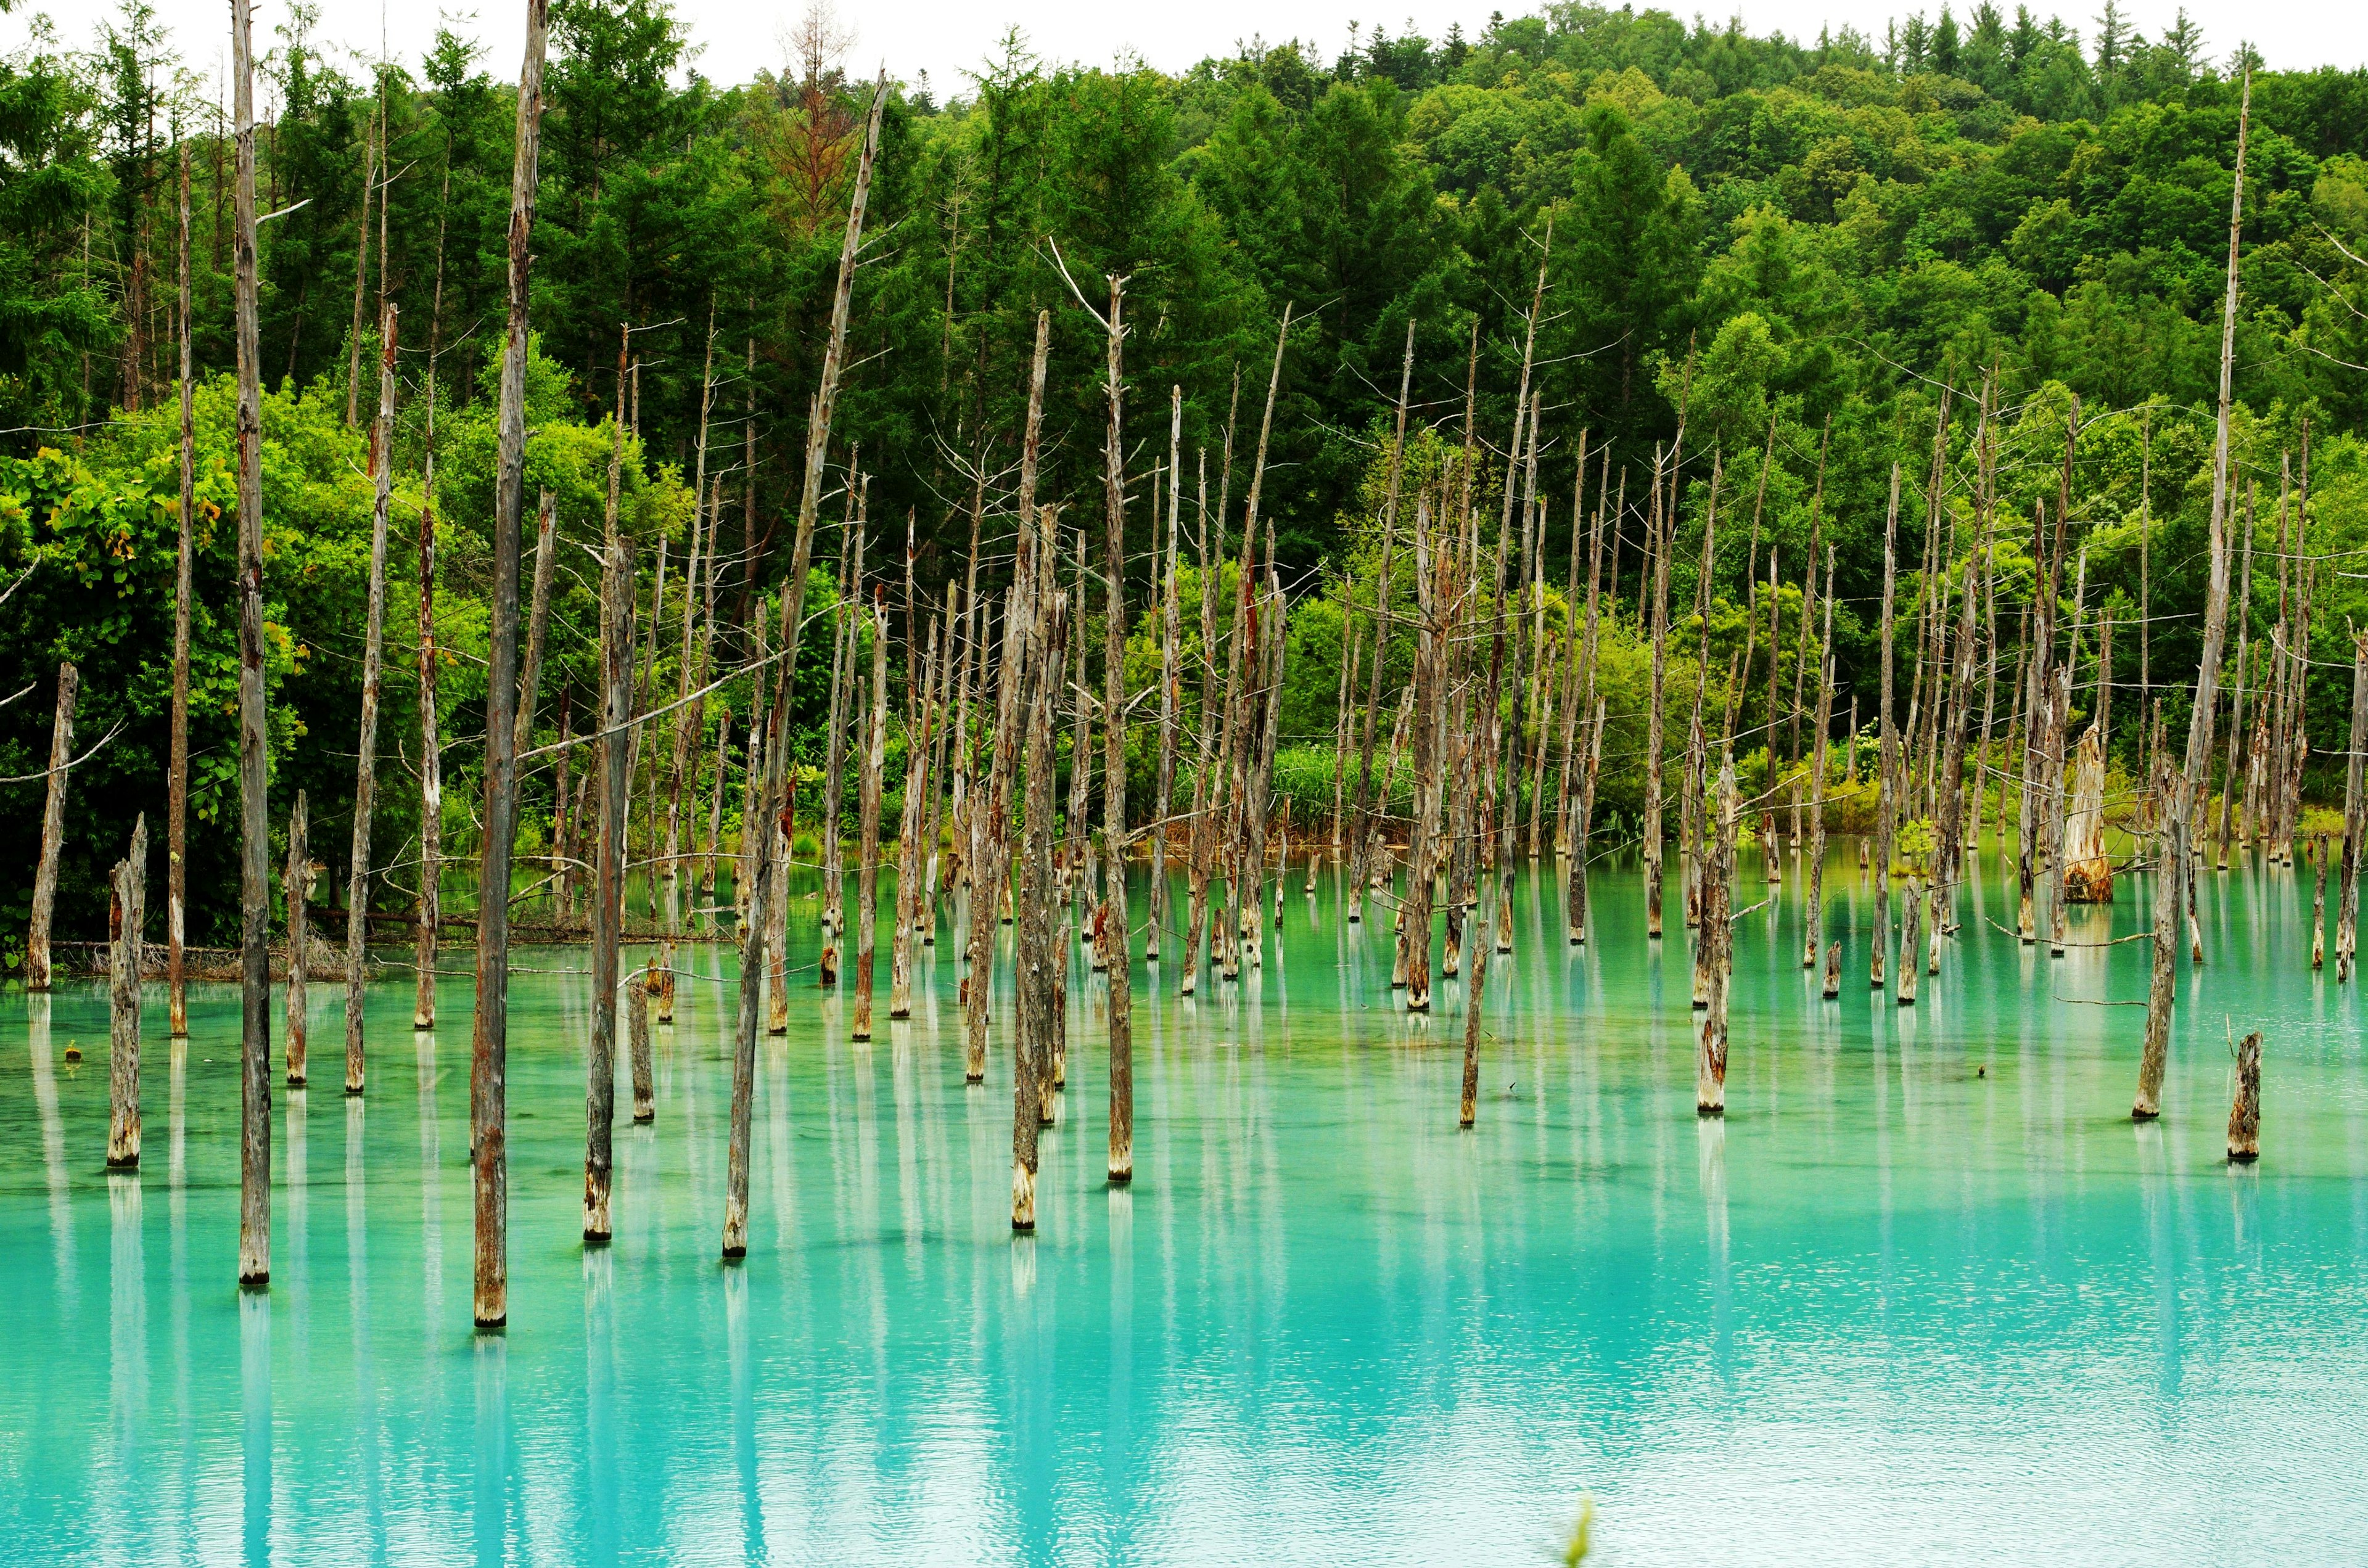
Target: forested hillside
(1803,244)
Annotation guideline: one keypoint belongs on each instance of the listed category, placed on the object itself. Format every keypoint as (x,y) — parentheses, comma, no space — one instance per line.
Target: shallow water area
(1924,1294)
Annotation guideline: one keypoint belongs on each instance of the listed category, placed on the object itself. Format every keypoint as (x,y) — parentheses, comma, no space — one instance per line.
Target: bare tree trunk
(1117,948)
(128,911)
(846,613)
(1887,782)
(1715,948)
(431,756)
(608,885)
(1813,908)
(177,843)
(867,895)
(489,1043)
(1659,534)
(826,402)
(1362,838)
(1171,677)
(637,1028)
(2154,1060)
(1037,966)
(768,726)
(373,654)
(296,883)
(920,733)
(990,869)
(2347,903)
(715,804)
(53,827)
(254,826)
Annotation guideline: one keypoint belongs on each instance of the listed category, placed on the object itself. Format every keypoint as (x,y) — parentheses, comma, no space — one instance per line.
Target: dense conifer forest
(1945,251)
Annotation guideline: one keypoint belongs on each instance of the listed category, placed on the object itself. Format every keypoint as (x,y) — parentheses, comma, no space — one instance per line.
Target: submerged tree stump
(127,907)
(2245,1114)
(2087,870)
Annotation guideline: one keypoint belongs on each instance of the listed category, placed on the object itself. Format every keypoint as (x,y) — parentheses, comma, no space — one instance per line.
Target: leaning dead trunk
(743,1058)
(127,918)
(53,826)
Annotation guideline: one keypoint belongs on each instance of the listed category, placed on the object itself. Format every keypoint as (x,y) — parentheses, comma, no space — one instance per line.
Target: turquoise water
(1925,1296)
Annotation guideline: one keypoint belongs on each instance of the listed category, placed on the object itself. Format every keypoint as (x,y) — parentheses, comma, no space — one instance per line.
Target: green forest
(1830,259)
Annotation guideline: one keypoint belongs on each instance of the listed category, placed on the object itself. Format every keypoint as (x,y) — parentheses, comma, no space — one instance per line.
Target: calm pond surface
(1926,1295)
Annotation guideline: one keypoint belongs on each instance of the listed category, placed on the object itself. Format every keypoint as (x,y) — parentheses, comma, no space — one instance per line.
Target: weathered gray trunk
(254,826)
(2347,903)
(1886,786)
(2245,1112)
(373,654)
(608,885)
(1716,948)
(1037,967)
(178,778)
(295,887)
(53,827)
(1658,535)
(489,1040)
(826,402)
(430,910)
(127,907)
(867,887)
(1116,948)
(2207,676)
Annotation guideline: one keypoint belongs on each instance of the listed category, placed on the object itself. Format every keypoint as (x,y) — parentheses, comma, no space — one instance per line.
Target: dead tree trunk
(373,653)
(1037,966)
(1659,533)
(1170,677)
(431,911)
(489,1044)
(1117,949)
(53,827)
(920,733)
(2207,676)
(1886,764)
(826,402)
(177,842)
(2347,903)
(867,892)
(254,826)
(608,885)
(295,884)
(1716,948)
(128,911)
(2245,1113)
(1813,908)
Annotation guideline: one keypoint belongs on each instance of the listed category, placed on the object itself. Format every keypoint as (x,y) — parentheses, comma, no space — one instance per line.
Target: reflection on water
(1924,1295)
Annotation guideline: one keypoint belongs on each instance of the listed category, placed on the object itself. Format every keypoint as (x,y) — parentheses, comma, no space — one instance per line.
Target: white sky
(946,37)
